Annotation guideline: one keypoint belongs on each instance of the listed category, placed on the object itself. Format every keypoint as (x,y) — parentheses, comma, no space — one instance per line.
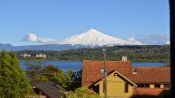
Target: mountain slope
(9,47)
(96,38)
(89,39)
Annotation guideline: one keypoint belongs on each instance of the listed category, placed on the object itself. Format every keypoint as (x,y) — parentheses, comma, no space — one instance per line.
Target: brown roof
(151,75)
(91,72)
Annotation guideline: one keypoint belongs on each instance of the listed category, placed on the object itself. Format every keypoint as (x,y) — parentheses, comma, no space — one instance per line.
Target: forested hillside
(151,53)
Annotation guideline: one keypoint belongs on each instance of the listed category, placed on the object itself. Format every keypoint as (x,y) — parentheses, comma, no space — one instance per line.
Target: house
(48,89)
(124,80)
(41,55)
(26,55)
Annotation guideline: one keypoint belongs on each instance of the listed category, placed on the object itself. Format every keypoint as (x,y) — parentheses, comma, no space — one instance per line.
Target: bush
(81,92)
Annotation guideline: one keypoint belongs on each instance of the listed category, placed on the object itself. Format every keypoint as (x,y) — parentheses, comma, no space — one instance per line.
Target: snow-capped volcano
(95,38)
(92,38)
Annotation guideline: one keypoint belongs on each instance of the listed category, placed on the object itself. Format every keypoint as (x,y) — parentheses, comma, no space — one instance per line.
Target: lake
(77,65)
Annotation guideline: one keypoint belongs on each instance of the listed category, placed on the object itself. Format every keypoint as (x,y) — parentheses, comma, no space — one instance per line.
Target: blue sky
(145,20)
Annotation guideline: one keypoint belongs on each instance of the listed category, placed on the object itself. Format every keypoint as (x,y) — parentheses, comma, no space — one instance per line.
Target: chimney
(124,58)
(134,71)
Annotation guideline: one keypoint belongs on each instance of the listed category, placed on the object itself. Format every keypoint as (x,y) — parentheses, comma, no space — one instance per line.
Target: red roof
(151,75)
(91,72)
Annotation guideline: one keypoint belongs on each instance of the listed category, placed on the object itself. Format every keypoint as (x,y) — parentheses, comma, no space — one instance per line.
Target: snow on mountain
(133,41)
(89,39)
(96,38)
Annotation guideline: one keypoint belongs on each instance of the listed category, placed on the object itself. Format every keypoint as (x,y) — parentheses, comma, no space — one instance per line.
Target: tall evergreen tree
(13,81)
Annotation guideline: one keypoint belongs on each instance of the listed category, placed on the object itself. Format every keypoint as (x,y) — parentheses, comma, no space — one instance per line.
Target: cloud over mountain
(153,39)
(31,37)
(93,37)
(167,42)
(35,38)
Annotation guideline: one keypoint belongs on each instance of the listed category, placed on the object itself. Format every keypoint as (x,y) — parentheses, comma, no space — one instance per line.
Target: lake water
(77,65)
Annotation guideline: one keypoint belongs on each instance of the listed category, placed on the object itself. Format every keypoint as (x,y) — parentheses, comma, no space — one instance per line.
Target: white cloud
(35,38)
(132,39)
(167,42)
(153,39)
(31,37)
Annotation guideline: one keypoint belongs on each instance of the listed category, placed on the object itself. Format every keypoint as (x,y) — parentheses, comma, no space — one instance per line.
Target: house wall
(115,87)
(148,91)
(151,90)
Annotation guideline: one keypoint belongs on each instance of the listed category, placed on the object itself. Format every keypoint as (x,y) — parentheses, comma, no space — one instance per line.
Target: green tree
(60,78)
(34,67)
(69,80)
(49,72)
(75,80)
(13,81)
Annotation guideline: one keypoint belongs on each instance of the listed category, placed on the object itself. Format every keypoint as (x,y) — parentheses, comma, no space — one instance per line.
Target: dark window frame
(126,87)
(103,86)
(166,86)
(156,85)
(142,85)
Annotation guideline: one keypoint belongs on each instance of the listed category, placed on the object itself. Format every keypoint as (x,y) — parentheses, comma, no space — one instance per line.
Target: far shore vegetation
(146,53)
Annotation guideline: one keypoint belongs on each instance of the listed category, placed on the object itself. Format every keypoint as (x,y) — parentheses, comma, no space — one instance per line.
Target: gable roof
(50,88)
(116,72)
(91,72)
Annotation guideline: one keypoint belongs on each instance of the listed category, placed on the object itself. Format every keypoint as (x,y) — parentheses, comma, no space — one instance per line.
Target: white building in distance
(41,55)
(26,55)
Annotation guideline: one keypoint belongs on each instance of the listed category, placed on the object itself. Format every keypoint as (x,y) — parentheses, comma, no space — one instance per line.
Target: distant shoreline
(133,53)
(146,60)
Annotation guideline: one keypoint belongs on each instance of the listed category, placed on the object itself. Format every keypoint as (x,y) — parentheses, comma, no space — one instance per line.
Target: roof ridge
(150,67)
(107,61)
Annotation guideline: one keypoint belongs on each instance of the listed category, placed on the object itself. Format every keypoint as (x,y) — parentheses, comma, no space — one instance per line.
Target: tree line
(146,53)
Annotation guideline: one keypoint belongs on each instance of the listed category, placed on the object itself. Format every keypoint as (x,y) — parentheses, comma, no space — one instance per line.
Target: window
(134,71)
(103,87)
(167,86)
(157,85)
(126,87)
(143,85)
(102,70)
